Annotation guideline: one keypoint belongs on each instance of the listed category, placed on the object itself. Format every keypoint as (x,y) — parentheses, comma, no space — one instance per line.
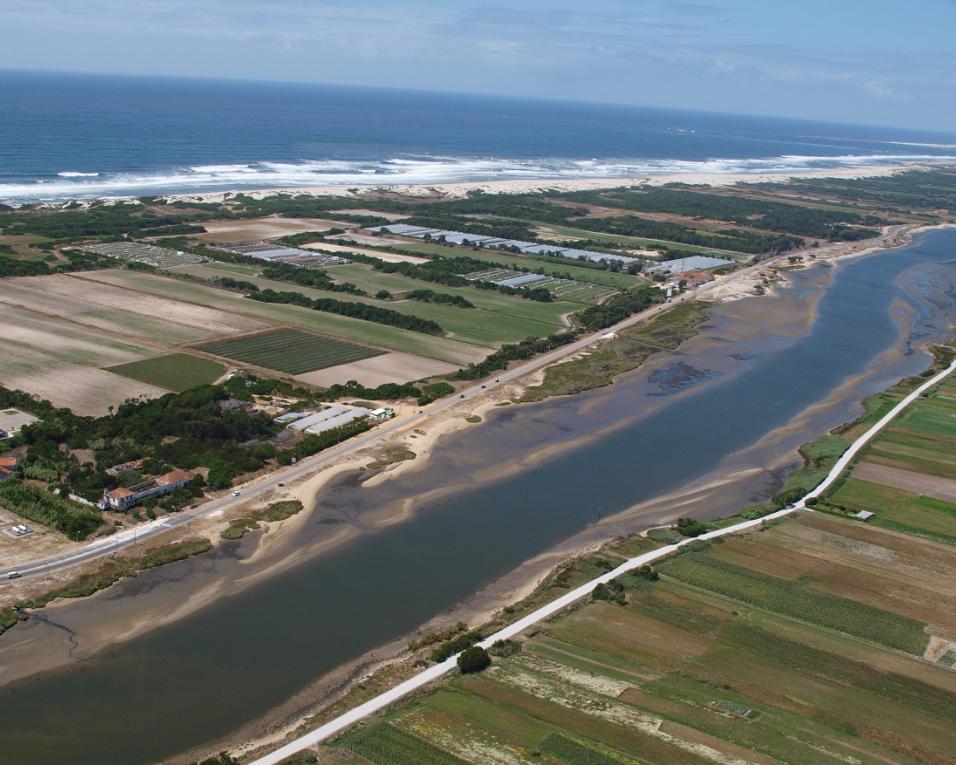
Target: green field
(712,663)
(638,242)
(496,318)
(289,351)
(548,265)
(345,328)
(899,510)
(796,601)
(175,371)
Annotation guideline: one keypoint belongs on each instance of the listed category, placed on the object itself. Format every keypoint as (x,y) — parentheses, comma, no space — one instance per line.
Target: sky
(881,62)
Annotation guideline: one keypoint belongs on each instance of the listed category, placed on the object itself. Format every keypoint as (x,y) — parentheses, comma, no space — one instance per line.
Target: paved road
(143,532)
(383,700)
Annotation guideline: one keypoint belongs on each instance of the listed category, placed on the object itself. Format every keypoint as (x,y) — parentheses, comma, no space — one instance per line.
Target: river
(764,376)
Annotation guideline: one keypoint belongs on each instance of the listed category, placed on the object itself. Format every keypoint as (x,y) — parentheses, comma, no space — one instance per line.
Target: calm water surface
(202,677)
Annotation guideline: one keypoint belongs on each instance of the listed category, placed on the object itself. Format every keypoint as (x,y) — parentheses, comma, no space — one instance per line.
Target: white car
(235,494)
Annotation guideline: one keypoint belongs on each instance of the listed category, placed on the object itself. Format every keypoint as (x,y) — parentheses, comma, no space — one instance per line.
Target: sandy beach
(527,186)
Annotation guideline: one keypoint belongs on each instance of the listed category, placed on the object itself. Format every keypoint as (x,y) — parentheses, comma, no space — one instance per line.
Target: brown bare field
(883,571)
(390,367)
(388,257)
(61,361)
(235,231)
(118,310)
(918,483)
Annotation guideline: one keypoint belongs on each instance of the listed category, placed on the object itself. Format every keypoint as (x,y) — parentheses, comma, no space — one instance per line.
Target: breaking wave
(411,170)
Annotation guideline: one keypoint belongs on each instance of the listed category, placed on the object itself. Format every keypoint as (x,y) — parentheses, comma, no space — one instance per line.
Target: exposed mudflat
(696,432)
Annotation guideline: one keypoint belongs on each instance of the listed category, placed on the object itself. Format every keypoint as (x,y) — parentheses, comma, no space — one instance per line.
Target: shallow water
(744,393)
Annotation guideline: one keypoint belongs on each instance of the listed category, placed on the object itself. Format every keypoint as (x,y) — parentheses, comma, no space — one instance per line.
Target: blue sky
(867,61)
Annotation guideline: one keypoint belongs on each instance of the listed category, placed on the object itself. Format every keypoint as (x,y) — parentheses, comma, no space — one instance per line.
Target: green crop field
(799,602)
(713,662)
(898,509)
(175,371)
(387,745)
(289,351)
(341,327)
(495,319)
(552,266)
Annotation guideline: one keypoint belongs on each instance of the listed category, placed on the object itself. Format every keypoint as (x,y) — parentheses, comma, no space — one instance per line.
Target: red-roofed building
(8,466)
(124,499)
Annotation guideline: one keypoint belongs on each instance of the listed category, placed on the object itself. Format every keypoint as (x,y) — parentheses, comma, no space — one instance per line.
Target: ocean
(82,136)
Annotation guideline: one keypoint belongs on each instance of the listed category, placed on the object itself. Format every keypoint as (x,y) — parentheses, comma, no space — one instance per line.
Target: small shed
(864,515)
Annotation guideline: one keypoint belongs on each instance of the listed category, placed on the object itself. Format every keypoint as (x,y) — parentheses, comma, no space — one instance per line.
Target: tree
(474,659)
(690,527)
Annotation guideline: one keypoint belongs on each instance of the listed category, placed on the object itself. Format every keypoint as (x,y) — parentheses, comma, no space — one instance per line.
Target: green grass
(175,371)
(575,753)
(341,327)
(628,351)
(579,273)
(798,602)
(638,242)
(898,509)
(384,744)
(276,511)
(495,320)
(289,351)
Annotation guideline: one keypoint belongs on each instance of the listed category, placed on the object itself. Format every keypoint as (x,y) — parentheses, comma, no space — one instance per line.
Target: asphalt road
(143,532)
(423,678)
(129,537)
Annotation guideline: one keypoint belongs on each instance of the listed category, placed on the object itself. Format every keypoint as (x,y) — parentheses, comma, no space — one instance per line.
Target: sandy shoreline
(276,550)
(277,547)
(526,186)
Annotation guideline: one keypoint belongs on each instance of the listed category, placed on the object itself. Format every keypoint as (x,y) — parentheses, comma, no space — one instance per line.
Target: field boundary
(418,681)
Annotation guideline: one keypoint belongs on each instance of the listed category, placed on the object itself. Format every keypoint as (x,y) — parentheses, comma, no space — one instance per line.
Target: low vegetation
(175,371)
(276,511)
(627,351)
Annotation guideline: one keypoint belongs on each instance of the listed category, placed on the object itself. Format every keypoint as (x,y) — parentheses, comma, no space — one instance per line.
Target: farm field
(251,230)
(496,318)
(289,350)
(563,233)
(62,361)
(798,644)
(268,314)
(339,249)
(907,475)
(617,280)
(175,371)
(89,301)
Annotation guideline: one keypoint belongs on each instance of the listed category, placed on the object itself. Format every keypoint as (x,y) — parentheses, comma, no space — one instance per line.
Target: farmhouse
(380,415)
(123,498)
(8,466)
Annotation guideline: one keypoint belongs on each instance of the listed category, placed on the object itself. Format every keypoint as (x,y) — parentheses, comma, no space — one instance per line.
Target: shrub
(691,527)
(474,659)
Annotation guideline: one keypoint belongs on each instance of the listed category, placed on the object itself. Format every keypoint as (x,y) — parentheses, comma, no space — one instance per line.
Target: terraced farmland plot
(289,351)
(175,371)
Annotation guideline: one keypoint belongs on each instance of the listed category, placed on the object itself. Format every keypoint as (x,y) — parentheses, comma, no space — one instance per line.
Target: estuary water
(508,494)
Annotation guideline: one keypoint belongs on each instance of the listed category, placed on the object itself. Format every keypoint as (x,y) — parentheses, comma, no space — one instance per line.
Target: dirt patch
(918,483)
(390,367)
(388,257)
(235,231)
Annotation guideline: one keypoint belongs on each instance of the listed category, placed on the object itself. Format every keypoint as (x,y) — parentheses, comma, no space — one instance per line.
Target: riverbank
(620,556)
(280,546)
(625,422)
